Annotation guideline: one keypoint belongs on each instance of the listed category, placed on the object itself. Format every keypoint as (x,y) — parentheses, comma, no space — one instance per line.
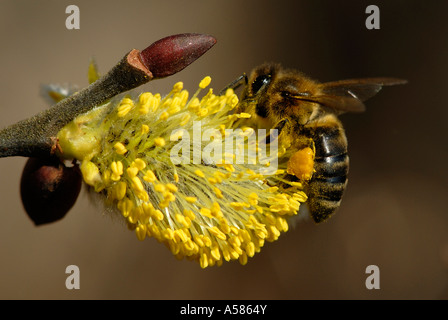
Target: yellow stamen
(205,82)
(120,148)
(137,184)
(164,115)
(159,188)
(125,106)
(120,190)
(178,87)
(218,193)
(217,233)
(171,187)
(206,212)
(117,170)
(144,129)
(150,176)
(191,199)
(90,172)
(199,173)
(160,142)
(185,119)
(139,164)
(132,171)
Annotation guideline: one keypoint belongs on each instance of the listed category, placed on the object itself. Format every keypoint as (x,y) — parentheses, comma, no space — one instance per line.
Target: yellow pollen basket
(184,170)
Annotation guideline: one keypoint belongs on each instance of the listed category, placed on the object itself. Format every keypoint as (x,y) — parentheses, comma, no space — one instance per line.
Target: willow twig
(35,137)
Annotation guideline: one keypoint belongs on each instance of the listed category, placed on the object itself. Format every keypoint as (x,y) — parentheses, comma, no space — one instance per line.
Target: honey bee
(306,112)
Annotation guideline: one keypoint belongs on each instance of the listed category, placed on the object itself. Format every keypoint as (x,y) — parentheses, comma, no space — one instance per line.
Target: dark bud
(170,55)
(49,189)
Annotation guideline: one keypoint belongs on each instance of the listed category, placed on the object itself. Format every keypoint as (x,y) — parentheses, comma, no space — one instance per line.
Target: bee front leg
(277,129)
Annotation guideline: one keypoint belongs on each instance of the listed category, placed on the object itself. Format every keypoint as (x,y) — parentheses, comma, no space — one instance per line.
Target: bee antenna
(235,84)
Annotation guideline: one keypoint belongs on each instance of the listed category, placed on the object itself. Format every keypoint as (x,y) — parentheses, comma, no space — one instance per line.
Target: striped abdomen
(326,187)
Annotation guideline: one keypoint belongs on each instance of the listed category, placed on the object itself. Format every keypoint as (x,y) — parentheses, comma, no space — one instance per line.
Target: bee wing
(348,95)
(339,103)
(53,93)
(93,73)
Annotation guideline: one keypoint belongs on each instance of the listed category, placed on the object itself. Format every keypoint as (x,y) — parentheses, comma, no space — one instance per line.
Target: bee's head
(279,93)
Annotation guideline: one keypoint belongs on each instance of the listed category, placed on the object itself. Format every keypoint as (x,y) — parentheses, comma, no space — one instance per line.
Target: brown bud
(49,189)
(170,55)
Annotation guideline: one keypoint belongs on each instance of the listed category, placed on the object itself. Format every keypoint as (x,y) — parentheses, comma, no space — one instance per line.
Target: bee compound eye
(49,189)
(260,83)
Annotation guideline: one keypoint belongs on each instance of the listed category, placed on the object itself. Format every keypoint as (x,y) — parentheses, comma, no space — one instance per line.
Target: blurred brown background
(393,215)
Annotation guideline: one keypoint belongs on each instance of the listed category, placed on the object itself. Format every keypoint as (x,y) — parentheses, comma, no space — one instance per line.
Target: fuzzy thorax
(141,154)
